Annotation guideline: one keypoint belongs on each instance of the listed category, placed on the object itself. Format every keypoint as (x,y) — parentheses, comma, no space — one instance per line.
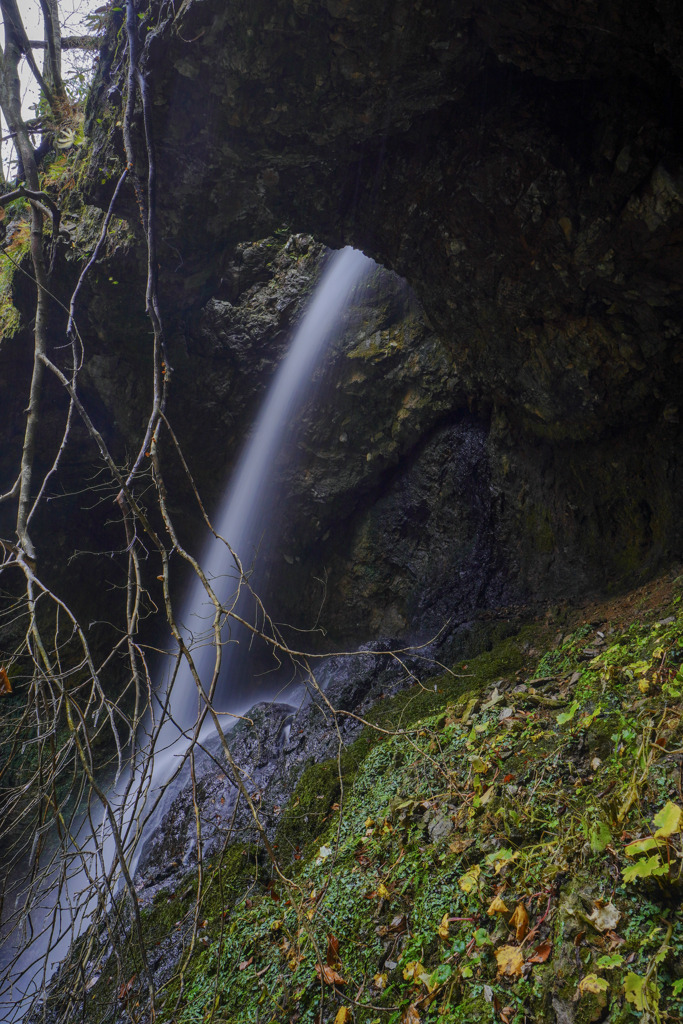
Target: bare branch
(70,43)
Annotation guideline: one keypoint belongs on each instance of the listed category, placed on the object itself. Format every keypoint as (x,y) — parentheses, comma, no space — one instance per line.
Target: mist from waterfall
(60,912)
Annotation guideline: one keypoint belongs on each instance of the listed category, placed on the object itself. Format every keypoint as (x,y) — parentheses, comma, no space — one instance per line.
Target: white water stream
(248,506)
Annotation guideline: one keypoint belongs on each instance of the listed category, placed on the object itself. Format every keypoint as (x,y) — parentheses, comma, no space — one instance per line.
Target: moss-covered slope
(507,847)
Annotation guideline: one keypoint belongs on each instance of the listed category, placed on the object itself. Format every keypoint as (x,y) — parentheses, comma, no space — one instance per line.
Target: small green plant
(656,855)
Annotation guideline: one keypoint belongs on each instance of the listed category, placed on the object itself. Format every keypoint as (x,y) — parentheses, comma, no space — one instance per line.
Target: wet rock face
(385,519)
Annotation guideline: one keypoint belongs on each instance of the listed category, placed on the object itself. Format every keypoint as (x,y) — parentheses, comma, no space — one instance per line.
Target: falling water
(242,519)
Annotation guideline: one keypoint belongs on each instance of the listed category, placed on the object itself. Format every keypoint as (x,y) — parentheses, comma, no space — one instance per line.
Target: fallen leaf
(443,927)
(125,988)
(506,1013)
(245,963)
(468,881)
(487,796)
(5,684)
(497,907)
(614,941)
(344,1016)
(382,891)
(595,763)
(329,975)
(510,961)
(591,983)
(398,923)
(380,981)
(412,971)
(493,700)
(541,953)
(605,917)
(332,950)
(460,845)
(520,921)
(411,1016)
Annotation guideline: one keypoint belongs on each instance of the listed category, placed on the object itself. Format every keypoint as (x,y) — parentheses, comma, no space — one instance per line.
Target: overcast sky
(72,13)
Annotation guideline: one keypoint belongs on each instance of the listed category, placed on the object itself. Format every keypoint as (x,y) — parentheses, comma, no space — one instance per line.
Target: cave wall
(513,433)
(521,168)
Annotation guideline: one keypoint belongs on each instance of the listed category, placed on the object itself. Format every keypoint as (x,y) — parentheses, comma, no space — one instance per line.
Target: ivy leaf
(591,983)
(669,819)
(637,992)
(609,962)
(641,846)
(651,867)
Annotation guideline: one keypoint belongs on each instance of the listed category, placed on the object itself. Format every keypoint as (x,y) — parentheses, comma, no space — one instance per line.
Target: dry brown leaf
(411,1016)
(124,990)
(541,953)
(332,950)
(344,1016)
(520,921)
(5,684)
(605,916)
(460,845)
(245,963)
(329,975)
(497,907)
(510,961)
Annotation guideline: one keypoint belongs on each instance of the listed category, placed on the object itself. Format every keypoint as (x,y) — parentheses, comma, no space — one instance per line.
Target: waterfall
(244,515)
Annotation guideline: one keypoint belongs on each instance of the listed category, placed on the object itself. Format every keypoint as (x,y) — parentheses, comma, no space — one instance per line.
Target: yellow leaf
(380,981)
(412,971)
(510,961)
(382,891)
(468,881)
(443,927)
(497,907)
(669,819)
(591,983)
(520,921)
(343,1016)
